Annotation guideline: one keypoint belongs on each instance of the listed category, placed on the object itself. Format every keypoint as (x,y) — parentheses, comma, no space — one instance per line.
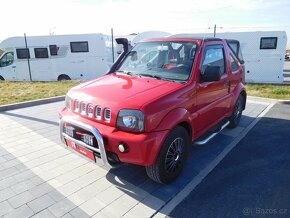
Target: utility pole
(112,38)
(214,30)
(28,62)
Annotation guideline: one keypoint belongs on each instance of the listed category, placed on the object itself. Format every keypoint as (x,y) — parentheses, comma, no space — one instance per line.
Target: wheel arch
(239,90)
(177,117)
(63,77)
(244,95)
(187,127)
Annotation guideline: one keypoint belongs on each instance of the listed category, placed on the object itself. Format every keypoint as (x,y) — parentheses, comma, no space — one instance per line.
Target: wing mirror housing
(211,73)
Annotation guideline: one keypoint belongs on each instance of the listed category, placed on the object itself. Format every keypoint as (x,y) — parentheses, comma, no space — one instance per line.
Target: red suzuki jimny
(156,100)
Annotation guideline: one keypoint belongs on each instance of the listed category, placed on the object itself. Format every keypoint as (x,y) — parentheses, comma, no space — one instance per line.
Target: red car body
(195,105)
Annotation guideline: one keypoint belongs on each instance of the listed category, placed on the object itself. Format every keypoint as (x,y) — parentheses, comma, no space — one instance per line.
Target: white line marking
(165,211)
(257,102)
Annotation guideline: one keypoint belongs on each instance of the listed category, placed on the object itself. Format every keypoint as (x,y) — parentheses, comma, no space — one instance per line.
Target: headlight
(68,102)
(130,120)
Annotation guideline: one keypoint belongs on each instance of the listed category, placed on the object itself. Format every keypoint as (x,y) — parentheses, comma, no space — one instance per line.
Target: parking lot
(40,178)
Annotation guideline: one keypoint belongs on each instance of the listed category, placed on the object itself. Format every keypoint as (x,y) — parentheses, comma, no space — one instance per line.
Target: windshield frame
(158,76)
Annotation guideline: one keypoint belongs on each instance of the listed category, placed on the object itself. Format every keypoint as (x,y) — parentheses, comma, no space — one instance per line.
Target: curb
(31,103)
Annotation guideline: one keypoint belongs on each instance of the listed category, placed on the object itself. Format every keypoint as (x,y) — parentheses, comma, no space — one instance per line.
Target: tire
(1,78)
(172,157)
(237,113)
(63,78)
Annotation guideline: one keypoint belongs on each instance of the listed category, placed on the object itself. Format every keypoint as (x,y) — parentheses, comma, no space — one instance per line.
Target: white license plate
(88,139)
(69,130)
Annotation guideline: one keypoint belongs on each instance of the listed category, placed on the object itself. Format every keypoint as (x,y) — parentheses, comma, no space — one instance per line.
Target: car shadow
(129,177)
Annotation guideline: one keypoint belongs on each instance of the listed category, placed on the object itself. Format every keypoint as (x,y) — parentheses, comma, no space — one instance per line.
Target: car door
(213,98)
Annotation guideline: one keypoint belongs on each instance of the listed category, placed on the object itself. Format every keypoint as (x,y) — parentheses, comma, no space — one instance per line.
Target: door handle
(13,66)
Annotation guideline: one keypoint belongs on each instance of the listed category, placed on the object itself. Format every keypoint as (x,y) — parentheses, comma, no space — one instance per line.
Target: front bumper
(94,131)
(142,149)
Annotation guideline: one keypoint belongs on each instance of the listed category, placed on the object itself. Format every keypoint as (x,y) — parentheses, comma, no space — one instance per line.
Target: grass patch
(14,92)
(269,91)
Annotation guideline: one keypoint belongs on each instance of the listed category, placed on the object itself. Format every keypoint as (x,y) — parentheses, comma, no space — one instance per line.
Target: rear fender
(240,89)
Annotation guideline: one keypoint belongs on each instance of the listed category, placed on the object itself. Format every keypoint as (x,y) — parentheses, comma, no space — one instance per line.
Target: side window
(22,53)
(268,43)
(53,49)
(234,65)
(41,52)
(79,47)
(236,48)
(213,56)
(7,59)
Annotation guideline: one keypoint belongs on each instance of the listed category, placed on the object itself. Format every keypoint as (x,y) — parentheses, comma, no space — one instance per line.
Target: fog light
(122,148)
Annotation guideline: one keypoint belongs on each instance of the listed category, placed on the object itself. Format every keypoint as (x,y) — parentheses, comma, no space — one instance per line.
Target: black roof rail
(212,39)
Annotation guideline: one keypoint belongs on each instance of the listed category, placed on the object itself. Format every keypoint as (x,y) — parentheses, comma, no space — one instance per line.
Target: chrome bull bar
(101,150)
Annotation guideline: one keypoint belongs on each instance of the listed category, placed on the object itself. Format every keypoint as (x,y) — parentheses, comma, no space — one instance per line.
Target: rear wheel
(1,78)
(172,157)
(237,113)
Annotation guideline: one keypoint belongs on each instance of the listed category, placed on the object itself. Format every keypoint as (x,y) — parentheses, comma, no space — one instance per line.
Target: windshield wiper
(155,77)
(124,72)
(148,75)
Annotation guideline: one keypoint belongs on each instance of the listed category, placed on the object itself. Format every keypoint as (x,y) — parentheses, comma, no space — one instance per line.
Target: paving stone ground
(40,178)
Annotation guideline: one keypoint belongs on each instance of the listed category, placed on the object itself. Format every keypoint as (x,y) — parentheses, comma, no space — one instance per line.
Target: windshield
(166,60)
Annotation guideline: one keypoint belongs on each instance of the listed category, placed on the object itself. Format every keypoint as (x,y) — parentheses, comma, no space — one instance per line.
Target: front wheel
(237,113)
(172,157)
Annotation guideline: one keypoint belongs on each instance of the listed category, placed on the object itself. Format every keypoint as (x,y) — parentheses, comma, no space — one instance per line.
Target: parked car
(155,101)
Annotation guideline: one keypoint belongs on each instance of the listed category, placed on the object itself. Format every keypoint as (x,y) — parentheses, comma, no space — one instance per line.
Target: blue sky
(41,17)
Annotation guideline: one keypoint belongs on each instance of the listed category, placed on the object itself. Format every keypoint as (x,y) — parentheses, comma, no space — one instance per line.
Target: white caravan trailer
(263,53)
(55,57)
(61,57)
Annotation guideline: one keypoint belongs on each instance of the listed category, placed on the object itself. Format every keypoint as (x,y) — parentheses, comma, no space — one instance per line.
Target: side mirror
(242,61)
(211,73)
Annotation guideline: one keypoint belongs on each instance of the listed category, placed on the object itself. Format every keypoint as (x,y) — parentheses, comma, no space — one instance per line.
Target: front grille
(90,110)
(83,108)
(98,112)
(107,114)
(77,106)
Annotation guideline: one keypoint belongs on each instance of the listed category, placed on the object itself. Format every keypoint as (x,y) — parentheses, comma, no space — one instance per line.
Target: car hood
(122,91)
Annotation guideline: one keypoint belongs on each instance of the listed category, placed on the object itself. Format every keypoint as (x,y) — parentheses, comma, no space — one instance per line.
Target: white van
(263,53)
(56,57)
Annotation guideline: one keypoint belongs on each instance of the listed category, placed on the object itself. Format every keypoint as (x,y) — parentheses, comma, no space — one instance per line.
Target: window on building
(22,53)
(268,43)
(79,47)
(41,52)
